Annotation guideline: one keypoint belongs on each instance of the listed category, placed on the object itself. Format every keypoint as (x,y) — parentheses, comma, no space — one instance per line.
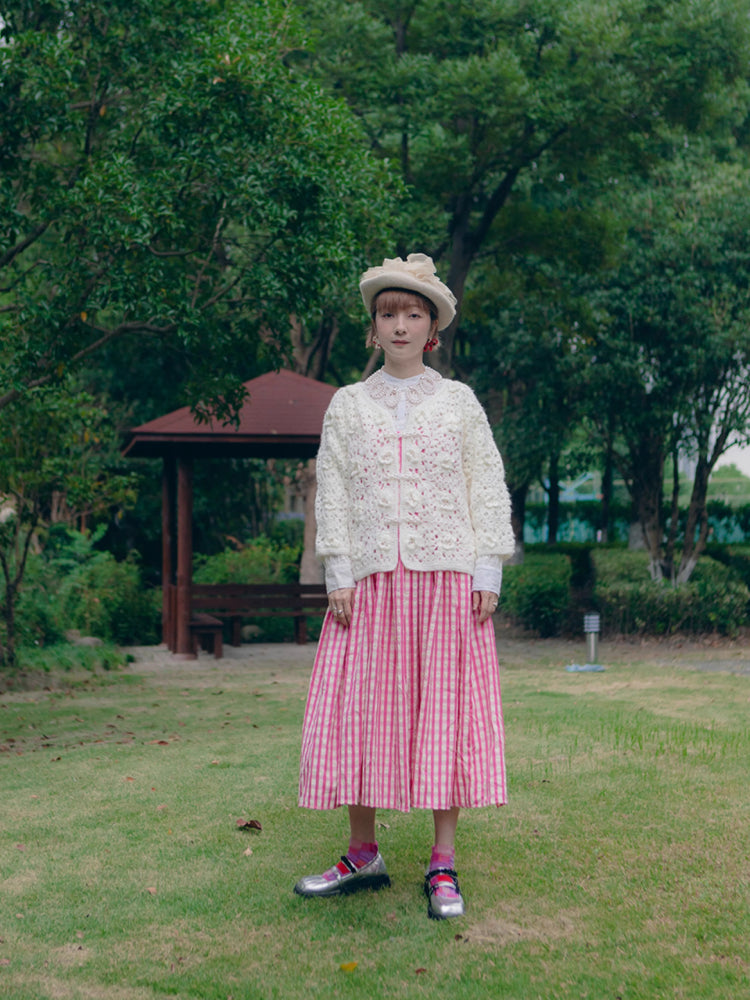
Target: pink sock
(359,853)
(443,857)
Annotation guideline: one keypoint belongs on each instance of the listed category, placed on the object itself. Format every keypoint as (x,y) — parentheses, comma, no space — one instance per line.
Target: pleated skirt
(404,707)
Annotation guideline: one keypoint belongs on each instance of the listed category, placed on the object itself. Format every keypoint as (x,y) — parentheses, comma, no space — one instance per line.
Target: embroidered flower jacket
(433,493)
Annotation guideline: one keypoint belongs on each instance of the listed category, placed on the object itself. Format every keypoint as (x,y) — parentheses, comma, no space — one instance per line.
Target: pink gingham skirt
(404,706)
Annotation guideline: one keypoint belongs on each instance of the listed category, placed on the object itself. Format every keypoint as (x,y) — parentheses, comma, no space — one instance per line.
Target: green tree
(56,466)
(468,100)
(525,339)
(673,349)
(164,175)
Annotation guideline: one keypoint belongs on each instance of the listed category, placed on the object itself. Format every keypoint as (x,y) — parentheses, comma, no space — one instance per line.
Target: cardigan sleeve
(489,500)
(332,496)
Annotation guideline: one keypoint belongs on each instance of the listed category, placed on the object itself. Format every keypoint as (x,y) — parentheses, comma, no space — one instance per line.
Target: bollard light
(592,627)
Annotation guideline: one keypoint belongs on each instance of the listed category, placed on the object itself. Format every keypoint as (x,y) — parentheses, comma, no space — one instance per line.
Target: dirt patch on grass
(502,931)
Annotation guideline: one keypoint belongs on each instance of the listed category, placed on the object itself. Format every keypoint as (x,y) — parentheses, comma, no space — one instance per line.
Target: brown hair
(391,299)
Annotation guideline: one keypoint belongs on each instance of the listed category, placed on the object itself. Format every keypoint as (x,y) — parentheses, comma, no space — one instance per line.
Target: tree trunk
(674,516)
(8,646)
(461,257)
(607,486)
(647,491)
(553,508)
(518,517)
(311,351)
(697,521)
(13,575)
(311,568)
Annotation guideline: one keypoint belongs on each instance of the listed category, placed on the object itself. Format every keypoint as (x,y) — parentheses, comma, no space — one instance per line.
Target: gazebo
(281,418)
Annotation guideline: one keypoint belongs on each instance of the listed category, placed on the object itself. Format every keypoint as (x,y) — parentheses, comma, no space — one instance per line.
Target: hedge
(715,599)
(536,593)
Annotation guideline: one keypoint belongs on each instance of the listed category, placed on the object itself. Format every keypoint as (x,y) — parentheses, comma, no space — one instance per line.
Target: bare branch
(172,253)
(134,326)
(13,252)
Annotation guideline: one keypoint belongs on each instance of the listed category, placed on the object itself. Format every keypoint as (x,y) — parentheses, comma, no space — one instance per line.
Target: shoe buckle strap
(348,865)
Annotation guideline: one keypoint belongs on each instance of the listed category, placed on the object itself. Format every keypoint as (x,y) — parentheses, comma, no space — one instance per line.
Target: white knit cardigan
(433,494)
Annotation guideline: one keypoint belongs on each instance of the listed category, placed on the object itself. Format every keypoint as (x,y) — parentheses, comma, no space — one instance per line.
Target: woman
(413,525)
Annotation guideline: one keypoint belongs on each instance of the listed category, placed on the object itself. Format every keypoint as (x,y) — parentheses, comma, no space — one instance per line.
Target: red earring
(431,344)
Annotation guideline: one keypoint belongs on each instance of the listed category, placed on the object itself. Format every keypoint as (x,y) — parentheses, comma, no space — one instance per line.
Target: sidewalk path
(515,650)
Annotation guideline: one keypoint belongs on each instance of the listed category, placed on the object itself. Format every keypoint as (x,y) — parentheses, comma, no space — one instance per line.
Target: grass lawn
(620,868)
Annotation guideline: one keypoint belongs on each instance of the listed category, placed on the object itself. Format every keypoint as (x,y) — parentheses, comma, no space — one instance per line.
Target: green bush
(36,619)
(536,593)
(714,600)
(105,598)
(261,560)
(735,556)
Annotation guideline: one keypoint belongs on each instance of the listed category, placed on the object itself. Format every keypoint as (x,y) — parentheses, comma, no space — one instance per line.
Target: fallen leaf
(4,961)
(21,847)
(248,852)
(250,824)
(151,889)
(130,779)
(159,743)
(160,808)
(348,966)
(419,971)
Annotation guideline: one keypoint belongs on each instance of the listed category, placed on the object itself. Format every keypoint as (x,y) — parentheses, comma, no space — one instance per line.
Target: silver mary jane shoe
(442,907)
(373,875)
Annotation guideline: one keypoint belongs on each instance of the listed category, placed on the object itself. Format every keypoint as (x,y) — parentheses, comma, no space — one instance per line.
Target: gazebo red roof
(281,418)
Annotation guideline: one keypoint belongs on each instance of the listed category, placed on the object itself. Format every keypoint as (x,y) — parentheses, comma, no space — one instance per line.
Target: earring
(431,344)
(375,344)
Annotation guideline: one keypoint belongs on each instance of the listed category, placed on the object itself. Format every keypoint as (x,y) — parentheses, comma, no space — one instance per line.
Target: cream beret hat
(415,274)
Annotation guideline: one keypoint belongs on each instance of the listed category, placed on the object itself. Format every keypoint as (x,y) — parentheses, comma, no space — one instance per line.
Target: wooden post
(184,648)
(168,490)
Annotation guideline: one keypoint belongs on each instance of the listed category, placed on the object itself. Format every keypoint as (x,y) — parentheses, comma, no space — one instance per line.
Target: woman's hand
(340,603)
(484,603)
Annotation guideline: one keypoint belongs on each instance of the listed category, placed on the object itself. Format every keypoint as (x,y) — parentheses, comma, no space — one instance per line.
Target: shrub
(714,600)
(735,556)
(105,598)
(536,593)
(259,561)
(36,618)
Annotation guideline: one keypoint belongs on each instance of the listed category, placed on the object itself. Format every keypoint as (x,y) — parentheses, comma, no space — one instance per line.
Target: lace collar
(387,390)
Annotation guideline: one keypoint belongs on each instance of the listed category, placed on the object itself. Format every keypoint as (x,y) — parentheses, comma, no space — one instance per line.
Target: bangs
(393,299)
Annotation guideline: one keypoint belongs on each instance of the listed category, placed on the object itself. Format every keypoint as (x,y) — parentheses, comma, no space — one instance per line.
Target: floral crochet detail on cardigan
(433,494)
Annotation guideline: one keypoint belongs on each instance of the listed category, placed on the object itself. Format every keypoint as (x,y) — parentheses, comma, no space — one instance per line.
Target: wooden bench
(234,601)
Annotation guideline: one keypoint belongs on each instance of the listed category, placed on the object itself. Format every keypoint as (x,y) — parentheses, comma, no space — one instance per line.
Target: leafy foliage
(260,560)
(537,592)
(72,585)
(106,599)
(56,467)
(473,101)
(715,600)
(169,177)
(672,351)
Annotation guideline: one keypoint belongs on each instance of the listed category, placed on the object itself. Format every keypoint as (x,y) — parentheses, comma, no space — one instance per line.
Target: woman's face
(403,326)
